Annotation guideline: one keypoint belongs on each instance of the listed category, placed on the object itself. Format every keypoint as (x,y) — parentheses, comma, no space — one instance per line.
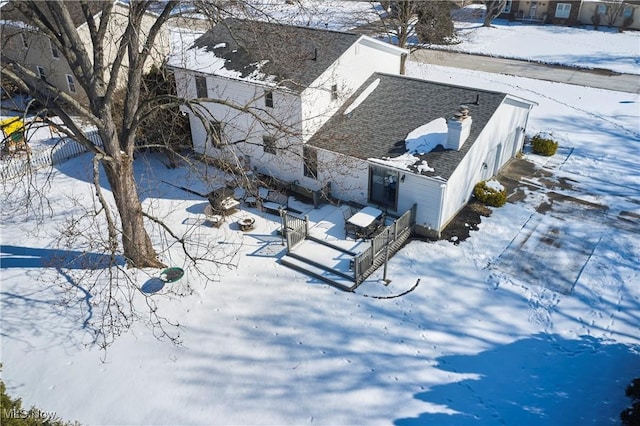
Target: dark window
(54,50)
(269,144)
(216,133)
(71,83)
(41,72)
(383,187)
(201,86)
(310,157)
(268,99)
(334,92)
(25,41)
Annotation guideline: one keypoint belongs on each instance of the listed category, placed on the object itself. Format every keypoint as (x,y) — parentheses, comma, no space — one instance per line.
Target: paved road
(603,79)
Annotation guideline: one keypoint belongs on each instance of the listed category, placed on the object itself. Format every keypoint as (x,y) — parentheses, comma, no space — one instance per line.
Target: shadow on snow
(543,379)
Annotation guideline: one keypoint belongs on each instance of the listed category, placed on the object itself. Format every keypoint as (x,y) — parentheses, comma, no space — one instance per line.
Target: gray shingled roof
(9,12)
(378,126)
(296,56)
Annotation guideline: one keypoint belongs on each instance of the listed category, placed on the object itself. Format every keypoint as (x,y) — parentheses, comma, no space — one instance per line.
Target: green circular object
(170,275)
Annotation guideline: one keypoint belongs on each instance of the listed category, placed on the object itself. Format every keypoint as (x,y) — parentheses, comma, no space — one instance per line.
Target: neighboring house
(346,118)
(621,14)
(624,15)
(22,43)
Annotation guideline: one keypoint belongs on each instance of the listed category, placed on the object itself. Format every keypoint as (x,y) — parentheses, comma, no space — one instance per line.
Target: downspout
(443,188)
(579,12)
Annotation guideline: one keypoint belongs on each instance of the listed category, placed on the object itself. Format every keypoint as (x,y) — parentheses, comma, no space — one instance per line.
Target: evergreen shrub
(490,193)
(544,145)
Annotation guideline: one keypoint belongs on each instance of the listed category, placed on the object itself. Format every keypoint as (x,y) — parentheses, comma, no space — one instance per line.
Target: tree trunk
(136,243)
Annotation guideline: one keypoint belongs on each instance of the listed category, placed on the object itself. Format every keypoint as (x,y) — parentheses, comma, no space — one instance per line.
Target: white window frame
(627,12)
(601,9)
(71,83)
(507,7)
(55,53)
(202,89)
(42,73)
(310,162)
(563,10)
(268,99)
(334,92)
(269,144)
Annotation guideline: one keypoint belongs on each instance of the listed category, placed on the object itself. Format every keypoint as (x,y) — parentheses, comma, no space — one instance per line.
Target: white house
(317,106)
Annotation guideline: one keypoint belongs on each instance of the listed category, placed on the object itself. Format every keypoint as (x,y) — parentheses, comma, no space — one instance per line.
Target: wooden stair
(316,270)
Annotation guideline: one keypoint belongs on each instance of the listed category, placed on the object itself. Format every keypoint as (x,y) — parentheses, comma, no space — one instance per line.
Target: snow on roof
(396,112)
(419,141)
(262,52)
(426,137)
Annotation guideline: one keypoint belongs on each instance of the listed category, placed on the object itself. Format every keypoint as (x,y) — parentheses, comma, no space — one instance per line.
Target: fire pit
(246,223)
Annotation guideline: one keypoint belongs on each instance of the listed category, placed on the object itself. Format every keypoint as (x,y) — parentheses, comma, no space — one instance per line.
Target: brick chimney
(458,128)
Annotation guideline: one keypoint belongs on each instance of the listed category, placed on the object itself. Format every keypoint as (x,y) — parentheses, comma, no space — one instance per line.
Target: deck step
(302,265)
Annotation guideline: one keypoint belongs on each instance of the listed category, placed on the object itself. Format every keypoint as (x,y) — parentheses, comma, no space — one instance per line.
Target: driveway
(598,78)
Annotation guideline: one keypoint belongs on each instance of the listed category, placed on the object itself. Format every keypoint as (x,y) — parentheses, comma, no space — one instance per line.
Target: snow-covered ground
(584,47)
(579,47)
(477,342)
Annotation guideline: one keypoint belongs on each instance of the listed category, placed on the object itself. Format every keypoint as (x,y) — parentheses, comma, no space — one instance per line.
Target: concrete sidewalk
(602,79)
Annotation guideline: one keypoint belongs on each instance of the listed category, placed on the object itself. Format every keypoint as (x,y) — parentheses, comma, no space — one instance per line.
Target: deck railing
(295,229)
(383,246)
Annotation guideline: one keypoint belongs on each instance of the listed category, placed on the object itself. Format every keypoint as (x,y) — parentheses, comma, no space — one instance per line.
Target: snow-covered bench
(274,202)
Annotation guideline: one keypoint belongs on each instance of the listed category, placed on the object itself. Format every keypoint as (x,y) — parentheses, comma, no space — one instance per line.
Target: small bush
(631,416)
(490,193)
(543,145)
(12,413)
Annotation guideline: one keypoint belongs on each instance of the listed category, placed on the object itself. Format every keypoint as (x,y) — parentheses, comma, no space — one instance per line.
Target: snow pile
(419,141)
(426,137)
(494,185)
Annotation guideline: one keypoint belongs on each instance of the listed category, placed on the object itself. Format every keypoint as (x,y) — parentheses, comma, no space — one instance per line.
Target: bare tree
(121,237)
(397,19)
(494,9)
(435,25)
(99,80)
(615,9)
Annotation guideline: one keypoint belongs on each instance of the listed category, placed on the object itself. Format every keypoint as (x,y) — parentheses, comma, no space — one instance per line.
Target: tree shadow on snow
(153,177)
(30,257)
(544,379)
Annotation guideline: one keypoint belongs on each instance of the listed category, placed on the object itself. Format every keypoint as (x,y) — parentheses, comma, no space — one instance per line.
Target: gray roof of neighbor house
(378,126)
(295,56)
(9,12)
